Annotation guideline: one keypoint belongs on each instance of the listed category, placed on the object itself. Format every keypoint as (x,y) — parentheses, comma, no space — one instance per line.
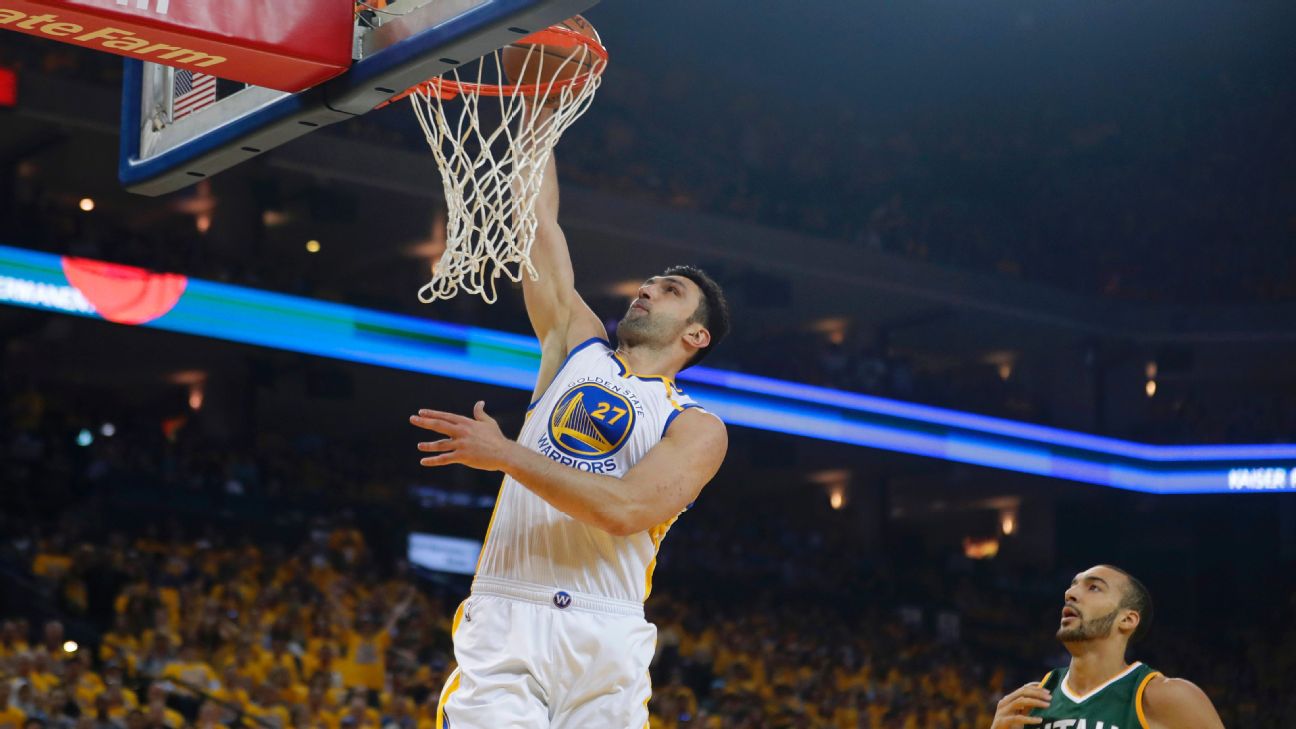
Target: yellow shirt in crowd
(11,717)
(366,662)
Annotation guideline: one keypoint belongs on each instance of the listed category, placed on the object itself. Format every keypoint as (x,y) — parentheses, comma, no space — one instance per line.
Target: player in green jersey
(1104,610)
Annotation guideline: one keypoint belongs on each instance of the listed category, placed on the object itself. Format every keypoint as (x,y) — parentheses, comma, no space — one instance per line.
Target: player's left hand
(476,442)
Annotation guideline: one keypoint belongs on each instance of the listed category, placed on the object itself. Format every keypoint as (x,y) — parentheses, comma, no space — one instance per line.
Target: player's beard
(1095,629)
(643,330)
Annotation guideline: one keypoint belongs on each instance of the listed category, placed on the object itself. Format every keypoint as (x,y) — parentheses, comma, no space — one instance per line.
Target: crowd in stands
(205,636)
(217,632)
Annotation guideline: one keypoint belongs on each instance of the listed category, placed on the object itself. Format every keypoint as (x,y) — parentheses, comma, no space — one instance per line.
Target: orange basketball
(543,63)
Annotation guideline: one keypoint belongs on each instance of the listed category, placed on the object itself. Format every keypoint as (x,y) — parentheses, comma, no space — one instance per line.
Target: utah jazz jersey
(1117,704)
(600,417)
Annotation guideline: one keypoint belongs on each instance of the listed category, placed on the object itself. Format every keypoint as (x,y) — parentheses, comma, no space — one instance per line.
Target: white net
(492,172)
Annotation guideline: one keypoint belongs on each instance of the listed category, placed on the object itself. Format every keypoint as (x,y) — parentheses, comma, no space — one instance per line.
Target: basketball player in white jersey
(612,452)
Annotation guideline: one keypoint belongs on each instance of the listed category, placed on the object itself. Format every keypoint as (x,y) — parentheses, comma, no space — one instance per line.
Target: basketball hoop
(492,172)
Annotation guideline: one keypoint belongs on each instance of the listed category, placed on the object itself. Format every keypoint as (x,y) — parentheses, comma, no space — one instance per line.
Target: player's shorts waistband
(556,598)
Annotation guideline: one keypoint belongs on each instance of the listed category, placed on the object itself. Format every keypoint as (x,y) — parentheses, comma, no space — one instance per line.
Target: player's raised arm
(560,317)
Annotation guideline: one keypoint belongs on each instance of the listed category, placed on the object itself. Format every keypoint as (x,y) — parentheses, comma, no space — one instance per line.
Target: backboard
(181,125)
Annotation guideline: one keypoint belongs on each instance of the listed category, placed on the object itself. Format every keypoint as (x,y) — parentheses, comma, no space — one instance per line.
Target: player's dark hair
(712,312)
(1136,597)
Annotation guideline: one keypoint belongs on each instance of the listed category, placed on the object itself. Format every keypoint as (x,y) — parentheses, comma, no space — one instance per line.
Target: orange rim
(555,35)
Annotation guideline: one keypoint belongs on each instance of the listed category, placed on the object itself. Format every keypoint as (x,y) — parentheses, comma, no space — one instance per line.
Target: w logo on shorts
(562,600)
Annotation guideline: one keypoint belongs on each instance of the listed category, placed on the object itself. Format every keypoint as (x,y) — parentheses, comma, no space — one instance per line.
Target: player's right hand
(1015,708)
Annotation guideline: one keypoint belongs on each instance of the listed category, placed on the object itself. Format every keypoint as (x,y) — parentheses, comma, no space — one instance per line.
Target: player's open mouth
(638,305)
(1069,612)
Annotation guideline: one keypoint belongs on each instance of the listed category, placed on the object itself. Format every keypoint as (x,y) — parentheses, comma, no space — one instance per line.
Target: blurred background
(1070,214)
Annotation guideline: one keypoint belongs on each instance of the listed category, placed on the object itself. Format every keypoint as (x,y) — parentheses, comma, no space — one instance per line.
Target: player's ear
(698,336)
(1129,622)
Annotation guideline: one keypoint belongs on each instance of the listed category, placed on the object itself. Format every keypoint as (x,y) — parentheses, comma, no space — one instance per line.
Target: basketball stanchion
(492,165)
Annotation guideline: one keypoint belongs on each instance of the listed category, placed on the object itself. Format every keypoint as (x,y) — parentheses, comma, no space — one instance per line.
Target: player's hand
(476,442)
(1014,709)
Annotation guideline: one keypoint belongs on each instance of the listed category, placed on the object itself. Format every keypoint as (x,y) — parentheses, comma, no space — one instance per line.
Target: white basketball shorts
(531,657)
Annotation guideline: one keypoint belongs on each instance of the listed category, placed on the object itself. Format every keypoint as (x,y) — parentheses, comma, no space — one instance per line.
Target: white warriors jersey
(596,416)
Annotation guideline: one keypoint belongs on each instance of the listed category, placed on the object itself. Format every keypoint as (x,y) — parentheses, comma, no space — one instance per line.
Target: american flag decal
(193,91)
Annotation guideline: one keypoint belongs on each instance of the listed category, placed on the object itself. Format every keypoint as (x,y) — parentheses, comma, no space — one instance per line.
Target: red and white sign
(288,45)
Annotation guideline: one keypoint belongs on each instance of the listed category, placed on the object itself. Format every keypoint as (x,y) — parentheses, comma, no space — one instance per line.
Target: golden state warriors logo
(591,421)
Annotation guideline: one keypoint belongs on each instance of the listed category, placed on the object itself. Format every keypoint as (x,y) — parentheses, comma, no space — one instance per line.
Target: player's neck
(648,362)
(1094,663)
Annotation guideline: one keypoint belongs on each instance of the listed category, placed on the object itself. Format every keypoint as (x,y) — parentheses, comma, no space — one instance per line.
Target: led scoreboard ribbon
(132,296)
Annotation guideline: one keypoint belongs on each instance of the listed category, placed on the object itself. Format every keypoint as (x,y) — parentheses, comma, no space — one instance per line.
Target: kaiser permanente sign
(288,45)
(133,296)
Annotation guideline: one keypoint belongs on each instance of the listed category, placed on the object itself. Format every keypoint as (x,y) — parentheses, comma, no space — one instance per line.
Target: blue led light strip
(351,333)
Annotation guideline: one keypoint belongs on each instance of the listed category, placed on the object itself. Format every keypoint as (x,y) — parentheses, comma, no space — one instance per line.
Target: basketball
(543,63)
